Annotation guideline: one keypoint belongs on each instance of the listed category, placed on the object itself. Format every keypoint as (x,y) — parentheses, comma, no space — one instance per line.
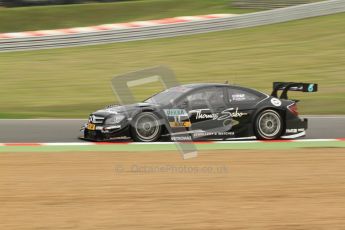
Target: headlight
(114,119)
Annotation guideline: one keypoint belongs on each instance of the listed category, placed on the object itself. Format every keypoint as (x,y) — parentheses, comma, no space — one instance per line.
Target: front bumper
(104,133)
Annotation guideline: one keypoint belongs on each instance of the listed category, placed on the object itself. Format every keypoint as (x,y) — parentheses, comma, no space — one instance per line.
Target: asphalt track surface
(67,130)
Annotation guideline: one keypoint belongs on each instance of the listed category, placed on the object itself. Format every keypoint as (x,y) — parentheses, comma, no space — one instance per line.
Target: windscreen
(167,96)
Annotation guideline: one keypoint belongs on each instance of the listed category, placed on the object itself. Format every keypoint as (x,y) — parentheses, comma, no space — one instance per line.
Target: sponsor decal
(176,124)
(178,118)
(91,126)
(181,138)
(225,114)
(294,130)
(238,97)
(120,138)
(175,112)
(276,102)
(291,131)
(296,88)
(203,134)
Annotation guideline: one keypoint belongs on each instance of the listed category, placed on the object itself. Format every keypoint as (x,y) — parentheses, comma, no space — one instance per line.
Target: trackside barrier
(172,30)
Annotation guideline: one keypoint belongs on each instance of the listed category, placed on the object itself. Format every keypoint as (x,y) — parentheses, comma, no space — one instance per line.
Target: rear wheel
(268,125)
(146,127)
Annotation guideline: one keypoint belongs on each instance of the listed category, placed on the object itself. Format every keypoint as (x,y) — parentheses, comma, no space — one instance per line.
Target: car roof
(200,85)
(204,85)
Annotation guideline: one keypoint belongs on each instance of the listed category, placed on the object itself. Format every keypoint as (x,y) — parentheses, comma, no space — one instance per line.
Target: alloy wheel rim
(269,124)
(147,127)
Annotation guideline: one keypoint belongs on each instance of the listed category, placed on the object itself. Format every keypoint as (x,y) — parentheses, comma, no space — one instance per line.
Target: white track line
(67,144)
(163,143)
(315,140)
(321,117)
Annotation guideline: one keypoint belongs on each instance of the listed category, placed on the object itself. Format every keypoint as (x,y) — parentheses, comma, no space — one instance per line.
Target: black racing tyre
(268,125)
(146,127)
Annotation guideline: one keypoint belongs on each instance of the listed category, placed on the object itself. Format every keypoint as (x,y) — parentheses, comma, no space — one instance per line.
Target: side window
(206,98)
(238,96)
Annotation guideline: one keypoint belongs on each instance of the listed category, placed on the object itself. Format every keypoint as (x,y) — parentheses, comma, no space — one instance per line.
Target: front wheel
(146,127)
(268,125)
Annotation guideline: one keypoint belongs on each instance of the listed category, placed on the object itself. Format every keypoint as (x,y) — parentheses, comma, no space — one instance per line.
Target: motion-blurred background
(72,82)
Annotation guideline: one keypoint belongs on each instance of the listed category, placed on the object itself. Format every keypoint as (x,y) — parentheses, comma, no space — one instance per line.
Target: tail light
(293,109)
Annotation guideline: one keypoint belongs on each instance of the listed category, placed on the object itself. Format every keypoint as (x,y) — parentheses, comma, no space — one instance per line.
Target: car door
(204,108)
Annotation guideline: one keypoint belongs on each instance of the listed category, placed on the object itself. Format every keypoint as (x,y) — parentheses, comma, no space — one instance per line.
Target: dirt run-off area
(227,189)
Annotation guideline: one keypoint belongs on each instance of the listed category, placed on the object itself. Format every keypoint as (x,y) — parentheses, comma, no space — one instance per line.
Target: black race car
(203,111)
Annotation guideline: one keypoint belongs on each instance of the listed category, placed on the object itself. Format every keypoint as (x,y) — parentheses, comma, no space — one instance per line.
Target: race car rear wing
(292,86)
